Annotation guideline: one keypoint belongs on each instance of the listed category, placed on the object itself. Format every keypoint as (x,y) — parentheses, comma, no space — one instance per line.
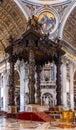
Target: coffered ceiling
(12,22)
(69,32)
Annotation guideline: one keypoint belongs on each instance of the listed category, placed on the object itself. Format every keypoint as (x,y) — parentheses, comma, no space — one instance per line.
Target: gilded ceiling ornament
(33,23)
(49,22)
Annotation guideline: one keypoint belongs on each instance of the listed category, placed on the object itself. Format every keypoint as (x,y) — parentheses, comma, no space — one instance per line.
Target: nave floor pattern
(12,124)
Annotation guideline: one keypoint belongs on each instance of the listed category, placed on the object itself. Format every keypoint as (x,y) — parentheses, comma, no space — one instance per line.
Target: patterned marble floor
(12,124)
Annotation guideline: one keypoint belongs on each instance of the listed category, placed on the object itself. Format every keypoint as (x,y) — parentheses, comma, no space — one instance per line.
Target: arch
(44,2)
(23,10)
(65,17)
(12,22)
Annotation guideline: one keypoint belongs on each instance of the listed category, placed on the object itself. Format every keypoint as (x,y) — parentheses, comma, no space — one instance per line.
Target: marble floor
(12,124)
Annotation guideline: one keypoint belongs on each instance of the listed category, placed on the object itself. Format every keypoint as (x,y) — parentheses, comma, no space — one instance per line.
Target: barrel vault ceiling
(12,22)
(69,32)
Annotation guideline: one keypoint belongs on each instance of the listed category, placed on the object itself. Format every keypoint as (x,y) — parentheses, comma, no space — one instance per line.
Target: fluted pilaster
(5,91)
(71,87)
(64,84)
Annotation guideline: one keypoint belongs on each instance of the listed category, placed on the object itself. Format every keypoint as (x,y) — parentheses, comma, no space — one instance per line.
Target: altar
(35,108)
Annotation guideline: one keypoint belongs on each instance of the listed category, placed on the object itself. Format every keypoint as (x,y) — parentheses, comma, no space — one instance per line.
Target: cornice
(48,2)
(69,50)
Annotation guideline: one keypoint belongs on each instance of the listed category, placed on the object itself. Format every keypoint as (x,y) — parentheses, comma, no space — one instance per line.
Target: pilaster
(67,81)
(5,92)
(64,93)
(71,86)
(22,85)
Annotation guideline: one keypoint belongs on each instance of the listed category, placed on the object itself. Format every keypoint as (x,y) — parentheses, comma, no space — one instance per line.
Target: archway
(67,16)
(75,90)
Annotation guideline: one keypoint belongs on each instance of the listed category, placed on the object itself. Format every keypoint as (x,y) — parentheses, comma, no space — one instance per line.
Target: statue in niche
(47,99)
(9,96)
(47,75)
(26,98)
(1,102)
(68,100)
(75,102)
(17,98)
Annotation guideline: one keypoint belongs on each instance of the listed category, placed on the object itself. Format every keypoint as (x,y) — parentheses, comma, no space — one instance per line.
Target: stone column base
(59,108)
(12,109)
(35,108)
